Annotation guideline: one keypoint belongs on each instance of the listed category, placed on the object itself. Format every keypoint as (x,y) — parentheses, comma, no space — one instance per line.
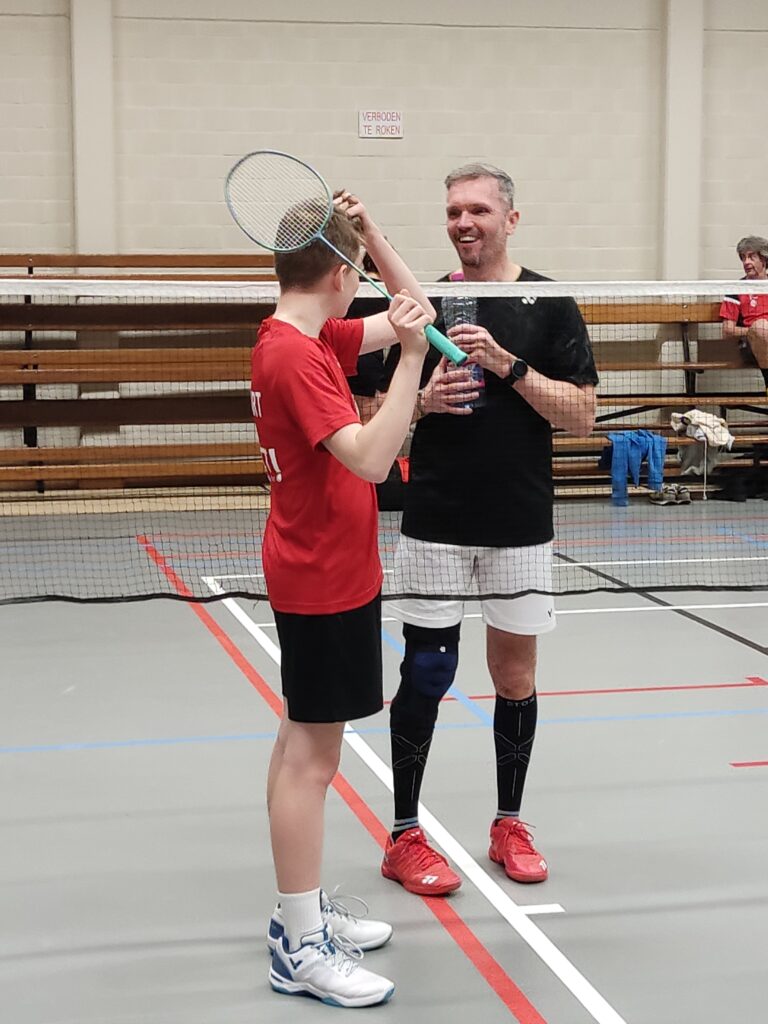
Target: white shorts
(424,567)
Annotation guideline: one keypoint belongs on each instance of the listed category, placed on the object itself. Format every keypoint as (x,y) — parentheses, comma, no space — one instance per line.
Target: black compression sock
(514,729)
(412,724)
(426,673)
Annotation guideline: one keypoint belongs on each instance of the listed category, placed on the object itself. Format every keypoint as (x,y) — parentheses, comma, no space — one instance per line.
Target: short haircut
(468,172)
(303,268)
(753,243)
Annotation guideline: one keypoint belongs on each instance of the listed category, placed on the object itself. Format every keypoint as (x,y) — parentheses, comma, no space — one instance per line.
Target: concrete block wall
(36,208)
(572,112)
(568,97)
(735,145)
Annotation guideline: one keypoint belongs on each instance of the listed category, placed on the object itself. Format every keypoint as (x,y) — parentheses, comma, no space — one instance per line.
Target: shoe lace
(337,903)
(342,954)
(423,854)
(518,833)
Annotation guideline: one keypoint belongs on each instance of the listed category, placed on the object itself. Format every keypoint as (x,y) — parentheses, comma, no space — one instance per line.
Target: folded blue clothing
(630,449)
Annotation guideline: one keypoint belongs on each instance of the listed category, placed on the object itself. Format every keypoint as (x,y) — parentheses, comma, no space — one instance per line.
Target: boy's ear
(339,276)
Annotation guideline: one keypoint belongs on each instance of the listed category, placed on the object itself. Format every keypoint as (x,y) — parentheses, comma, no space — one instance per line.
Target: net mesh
(280,202)
(130,467)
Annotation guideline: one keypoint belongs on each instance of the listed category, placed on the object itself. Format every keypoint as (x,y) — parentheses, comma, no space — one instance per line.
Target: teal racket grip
(445,345)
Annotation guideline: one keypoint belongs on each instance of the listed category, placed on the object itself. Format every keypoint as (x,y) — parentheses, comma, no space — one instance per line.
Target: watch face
(519,368)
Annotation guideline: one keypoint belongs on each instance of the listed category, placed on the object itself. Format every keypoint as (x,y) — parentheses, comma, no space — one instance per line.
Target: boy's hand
(350,204)
(408,320)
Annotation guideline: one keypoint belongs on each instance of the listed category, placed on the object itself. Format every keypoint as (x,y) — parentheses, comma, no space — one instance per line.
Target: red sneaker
(512,846)
(413,863)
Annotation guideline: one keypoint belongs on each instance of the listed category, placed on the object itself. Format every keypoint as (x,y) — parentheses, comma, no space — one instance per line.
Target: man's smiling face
(479,221)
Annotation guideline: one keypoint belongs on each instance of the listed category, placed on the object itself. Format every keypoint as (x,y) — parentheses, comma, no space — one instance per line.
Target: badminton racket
(283,204)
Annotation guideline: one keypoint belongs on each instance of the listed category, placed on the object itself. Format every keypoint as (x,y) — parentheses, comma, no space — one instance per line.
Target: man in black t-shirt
(478,521)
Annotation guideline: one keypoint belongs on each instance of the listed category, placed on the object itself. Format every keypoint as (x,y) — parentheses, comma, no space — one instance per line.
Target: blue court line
(462,698)
(750,540)
(380,730)
(160,741)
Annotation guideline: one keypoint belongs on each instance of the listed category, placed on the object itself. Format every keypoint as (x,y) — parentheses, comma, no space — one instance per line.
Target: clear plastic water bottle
(457,310)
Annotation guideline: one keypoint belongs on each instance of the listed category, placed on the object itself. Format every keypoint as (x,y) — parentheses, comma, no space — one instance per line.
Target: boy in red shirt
(322,570)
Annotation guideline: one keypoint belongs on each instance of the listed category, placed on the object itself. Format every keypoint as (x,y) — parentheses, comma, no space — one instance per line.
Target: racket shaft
(443,345)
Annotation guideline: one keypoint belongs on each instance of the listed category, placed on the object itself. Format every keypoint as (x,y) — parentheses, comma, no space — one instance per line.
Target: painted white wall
(93,133)
(735,158)
(573,113)
(35,127)
(681,202)
(569,97)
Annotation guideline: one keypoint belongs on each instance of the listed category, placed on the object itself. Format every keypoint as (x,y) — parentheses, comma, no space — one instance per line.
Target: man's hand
(449,389)
(408,320)
(481,348)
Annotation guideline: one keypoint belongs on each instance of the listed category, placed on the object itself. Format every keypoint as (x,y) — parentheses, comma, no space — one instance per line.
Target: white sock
(302,917)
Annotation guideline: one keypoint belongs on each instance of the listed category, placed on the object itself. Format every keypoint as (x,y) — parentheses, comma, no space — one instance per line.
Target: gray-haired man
(745,317)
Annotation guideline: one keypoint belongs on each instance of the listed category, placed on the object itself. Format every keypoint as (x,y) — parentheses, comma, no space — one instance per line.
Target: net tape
(44,287)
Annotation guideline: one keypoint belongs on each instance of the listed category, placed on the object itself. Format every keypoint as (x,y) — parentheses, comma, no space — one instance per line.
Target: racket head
(279,201)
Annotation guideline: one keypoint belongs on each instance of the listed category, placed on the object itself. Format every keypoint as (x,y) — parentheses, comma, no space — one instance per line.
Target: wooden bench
(655,359)
(98,369)
(141,266)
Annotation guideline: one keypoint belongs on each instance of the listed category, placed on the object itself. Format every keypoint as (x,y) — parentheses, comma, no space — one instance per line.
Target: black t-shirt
(486,479)
(370,376)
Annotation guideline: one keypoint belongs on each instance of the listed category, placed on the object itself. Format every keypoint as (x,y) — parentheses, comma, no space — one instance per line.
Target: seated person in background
(745,317)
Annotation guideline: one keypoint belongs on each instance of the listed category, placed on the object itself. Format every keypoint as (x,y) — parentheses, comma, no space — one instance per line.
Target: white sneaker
(330,971)
(339,920)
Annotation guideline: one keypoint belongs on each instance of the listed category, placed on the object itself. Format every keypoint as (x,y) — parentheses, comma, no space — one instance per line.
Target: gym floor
(135,866)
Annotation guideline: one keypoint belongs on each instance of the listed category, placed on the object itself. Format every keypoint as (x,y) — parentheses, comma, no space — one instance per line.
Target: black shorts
(331,664)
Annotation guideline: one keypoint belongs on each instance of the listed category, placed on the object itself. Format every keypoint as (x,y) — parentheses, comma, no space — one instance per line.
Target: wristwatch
(518,371)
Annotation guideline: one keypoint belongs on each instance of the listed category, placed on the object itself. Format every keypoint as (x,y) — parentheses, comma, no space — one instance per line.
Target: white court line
(210,580)
(234,576)
(542,908)
(248,576)
(660,561)
(633,608)
(646,608)
(565,565)
(594,1003)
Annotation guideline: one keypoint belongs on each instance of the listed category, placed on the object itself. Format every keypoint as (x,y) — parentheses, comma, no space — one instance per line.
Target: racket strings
(280,202)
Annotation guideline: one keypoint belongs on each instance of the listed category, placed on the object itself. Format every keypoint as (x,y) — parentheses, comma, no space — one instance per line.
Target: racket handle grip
(445,345)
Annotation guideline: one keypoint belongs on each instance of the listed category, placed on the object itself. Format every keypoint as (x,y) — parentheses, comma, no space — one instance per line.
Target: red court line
(489,968)
(749,764)
(462,935)
(209,555)
(751,682)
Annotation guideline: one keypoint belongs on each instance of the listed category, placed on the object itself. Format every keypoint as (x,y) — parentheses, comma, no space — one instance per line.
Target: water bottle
(462,309)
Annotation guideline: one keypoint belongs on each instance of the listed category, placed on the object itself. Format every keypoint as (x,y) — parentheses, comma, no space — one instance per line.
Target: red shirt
(748,307)
(320,548)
